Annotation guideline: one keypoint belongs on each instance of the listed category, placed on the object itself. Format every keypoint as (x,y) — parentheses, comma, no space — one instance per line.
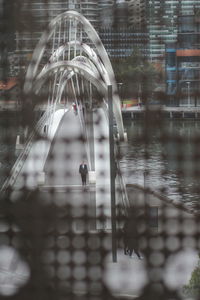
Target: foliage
(136,74)
(192,289)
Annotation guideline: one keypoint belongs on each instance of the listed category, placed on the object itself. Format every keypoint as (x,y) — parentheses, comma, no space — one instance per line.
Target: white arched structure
(77,67)
(71,48)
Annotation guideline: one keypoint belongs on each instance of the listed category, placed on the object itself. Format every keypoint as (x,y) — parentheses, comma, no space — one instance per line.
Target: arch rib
(77,68)
(87,50)
(93,36)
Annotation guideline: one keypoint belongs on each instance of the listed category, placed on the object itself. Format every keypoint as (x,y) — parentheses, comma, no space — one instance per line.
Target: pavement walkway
(68,150)
(128,276)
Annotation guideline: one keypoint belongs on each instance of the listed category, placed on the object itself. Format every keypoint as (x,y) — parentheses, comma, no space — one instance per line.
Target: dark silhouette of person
(74,108)
(131,235)
(83,170)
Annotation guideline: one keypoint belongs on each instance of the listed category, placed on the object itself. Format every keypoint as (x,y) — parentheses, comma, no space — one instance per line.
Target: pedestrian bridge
(70,65)
(52,245)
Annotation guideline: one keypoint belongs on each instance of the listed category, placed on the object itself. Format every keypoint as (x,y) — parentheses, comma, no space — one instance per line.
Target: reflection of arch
(101,59)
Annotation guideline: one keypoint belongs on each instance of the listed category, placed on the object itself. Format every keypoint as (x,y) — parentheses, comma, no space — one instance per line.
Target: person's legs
(126,250)
(82,178)
(129,247)
(85,179)
(136,250)
(130,251)
(133,245)
(137,253)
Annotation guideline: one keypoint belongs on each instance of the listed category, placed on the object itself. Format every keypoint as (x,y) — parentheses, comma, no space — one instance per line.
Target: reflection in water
(170,154)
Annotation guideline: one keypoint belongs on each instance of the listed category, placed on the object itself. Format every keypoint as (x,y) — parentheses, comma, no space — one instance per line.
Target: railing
(17,167)
(122,187)
(125,204)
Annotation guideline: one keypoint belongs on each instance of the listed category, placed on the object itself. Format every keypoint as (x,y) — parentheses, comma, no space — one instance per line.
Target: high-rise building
(43,11)
(162,23)
(105,3)
(137,19)
(121,14)
(119,38)
(183,63)
(162,26)
(122,43)
(90,9)
(106,14)
(35,15)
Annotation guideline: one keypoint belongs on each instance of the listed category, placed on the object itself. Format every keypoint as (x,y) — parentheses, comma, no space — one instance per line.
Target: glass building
(122,43)
(137,15)
(35,15)
(162,23)
(183,64)
(106,13)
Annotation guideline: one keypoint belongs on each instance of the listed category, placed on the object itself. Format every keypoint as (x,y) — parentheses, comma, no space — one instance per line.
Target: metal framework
(71,56)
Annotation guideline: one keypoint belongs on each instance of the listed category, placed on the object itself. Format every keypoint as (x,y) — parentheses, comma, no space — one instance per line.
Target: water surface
(169,152)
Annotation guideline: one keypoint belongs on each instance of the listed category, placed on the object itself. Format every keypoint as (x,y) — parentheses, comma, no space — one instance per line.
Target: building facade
(106,14)
(183,64)
(122,33)
(162,23)
(122,43)
(121,14)
(137,14)
(110,18)
(90,9)
(35,15)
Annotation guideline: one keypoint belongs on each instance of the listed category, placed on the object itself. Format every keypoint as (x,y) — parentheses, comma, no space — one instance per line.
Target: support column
(112,175)
(102,169)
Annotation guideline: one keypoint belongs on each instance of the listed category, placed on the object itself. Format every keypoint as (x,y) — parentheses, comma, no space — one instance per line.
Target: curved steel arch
(90,53)
(92,34)
(77,68)
(67,75)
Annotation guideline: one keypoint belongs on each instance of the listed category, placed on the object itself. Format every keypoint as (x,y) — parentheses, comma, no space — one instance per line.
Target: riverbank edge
(163,112)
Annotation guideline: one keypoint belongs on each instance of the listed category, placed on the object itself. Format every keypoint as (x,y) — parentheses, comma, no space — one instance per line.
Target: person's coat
(83,170)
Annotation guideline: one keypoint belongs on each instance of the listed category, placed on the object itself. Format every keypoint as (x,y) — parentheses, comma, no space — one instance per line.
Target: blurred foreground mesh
(51,246)
(49,251)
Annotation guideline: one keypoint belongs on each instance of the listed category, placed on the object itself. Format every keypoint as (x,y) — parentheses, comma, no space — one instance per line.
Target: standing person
(131,235)
(74,108)
(83,170)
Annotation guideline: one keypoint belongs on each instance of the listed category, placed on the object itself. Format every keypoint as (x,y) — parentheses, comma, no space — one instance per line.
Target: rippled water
(170,153)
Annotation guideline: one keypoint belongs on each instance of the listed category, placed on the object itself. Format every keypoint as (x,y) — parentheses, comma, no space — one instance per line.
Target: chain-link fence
(129,226)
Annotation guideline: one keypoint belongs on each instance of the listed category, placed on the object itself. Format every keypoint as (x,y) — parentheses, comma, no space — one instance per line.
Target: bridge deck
(62,167)
(66,153)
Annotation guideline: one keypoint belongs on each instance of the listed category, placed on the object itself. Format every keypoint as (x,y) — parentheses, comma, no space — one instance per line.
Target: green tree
(192,289)
(135,73)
